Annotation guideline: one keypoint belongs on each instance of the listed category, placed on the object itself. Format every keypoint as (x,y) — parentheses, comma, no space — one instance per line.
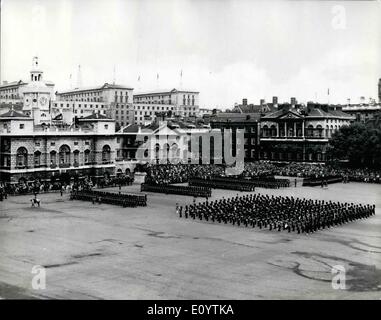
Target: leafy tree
(357,143)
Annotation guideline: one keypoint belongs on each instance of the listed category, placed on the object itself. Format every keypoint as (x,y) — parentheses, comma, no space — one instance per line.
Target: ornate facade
(29,152)
(299,134)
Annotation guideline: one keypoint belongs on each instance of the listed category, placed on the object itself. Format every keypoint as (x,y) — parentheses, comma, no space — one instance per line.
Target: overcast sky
(227,50)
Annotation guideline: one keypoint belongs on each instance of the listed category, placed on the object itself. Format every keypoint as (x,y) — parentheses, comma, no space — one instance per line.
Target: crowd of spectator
(324,171)
(85,183)
(179,173)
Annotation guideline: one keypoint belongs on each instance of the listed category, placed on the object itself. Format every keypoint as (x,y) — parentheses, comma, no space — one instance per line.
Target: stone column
(285,129)
(294,129)
(277,130)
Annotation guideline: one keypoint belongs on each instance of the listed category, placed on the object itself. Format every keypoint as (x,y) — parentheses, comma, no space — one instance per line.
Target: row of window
(53,143)
(11,96)
(154,107)
(9,90)
(84,99)
(89,94)
(102,106)
(64,156)
(155,102)
(121,98)
(122,118)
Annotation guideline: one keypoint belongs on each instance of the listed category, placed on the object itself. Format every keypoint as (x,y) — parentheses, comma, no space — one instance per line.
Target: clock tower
(37,96)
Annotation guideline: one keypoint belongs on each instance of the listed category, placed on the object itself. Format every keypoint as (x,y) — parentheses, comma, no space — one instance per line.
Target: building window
(87,143)
(53,158)
(37,143)
(21,126)
(52,143)
(22,157)
(37,158)
(76,157)
(76,143)
(64,154)
(106,126)
(106,154)
(87,156)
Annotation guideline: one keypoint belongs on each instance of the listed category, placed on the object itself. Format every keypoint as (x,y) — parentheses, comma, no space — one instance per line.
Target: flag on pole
(328,91)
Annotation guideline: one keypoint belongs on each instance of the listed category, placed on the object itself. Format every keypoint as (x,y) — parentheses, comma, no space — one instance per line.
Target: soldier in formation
(277,212)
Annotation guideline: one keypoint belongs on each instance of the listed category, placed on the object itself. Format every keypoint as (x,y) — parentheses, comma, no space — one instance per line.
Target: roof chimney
(293,101)
(275,101)
(262,102)
(244,102)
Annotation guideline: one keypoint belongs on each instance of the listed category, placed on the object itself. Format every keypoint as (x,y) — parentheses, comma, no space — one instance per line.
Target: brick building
(248,122)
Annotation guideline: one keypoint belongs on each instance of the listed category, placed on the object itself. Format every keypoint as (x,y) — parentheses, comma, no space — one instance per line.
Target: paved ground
(104,252)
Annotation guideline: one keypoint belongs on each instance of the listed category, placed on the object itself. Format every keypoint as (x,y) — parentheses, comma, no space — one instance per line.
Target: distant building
(114,101)
(249,122)
(262,108)
(375,122)
(203,111)
(299,134)
(12,93)
(175,102)
(362,112)
(161,142)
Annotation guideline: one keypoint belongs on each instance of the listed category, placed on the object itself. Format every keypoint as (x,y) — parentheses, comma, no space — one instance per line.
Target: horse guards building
(98,131)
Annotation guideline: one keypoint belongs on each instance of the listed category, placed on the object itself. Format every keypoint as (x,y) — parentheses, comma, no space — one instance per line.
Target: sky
(226,50)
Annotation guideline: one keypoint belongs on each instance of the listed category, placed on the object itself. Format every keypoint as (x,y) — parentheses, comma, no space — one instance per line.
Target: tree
(357,143)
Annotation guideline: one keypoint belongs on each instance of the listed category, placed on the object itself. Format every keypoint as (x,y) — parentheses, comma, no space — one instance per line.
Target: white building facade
(115,101)
(183,103)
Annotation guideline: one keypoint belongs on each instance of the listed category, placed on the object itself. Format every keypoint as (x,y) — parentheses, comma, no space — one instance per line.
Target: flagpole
(139,84)
(328,96)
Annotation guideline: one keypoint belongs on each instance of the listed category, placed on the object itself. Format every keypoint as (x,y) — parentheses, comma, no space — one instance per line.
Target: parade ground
(100,251)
